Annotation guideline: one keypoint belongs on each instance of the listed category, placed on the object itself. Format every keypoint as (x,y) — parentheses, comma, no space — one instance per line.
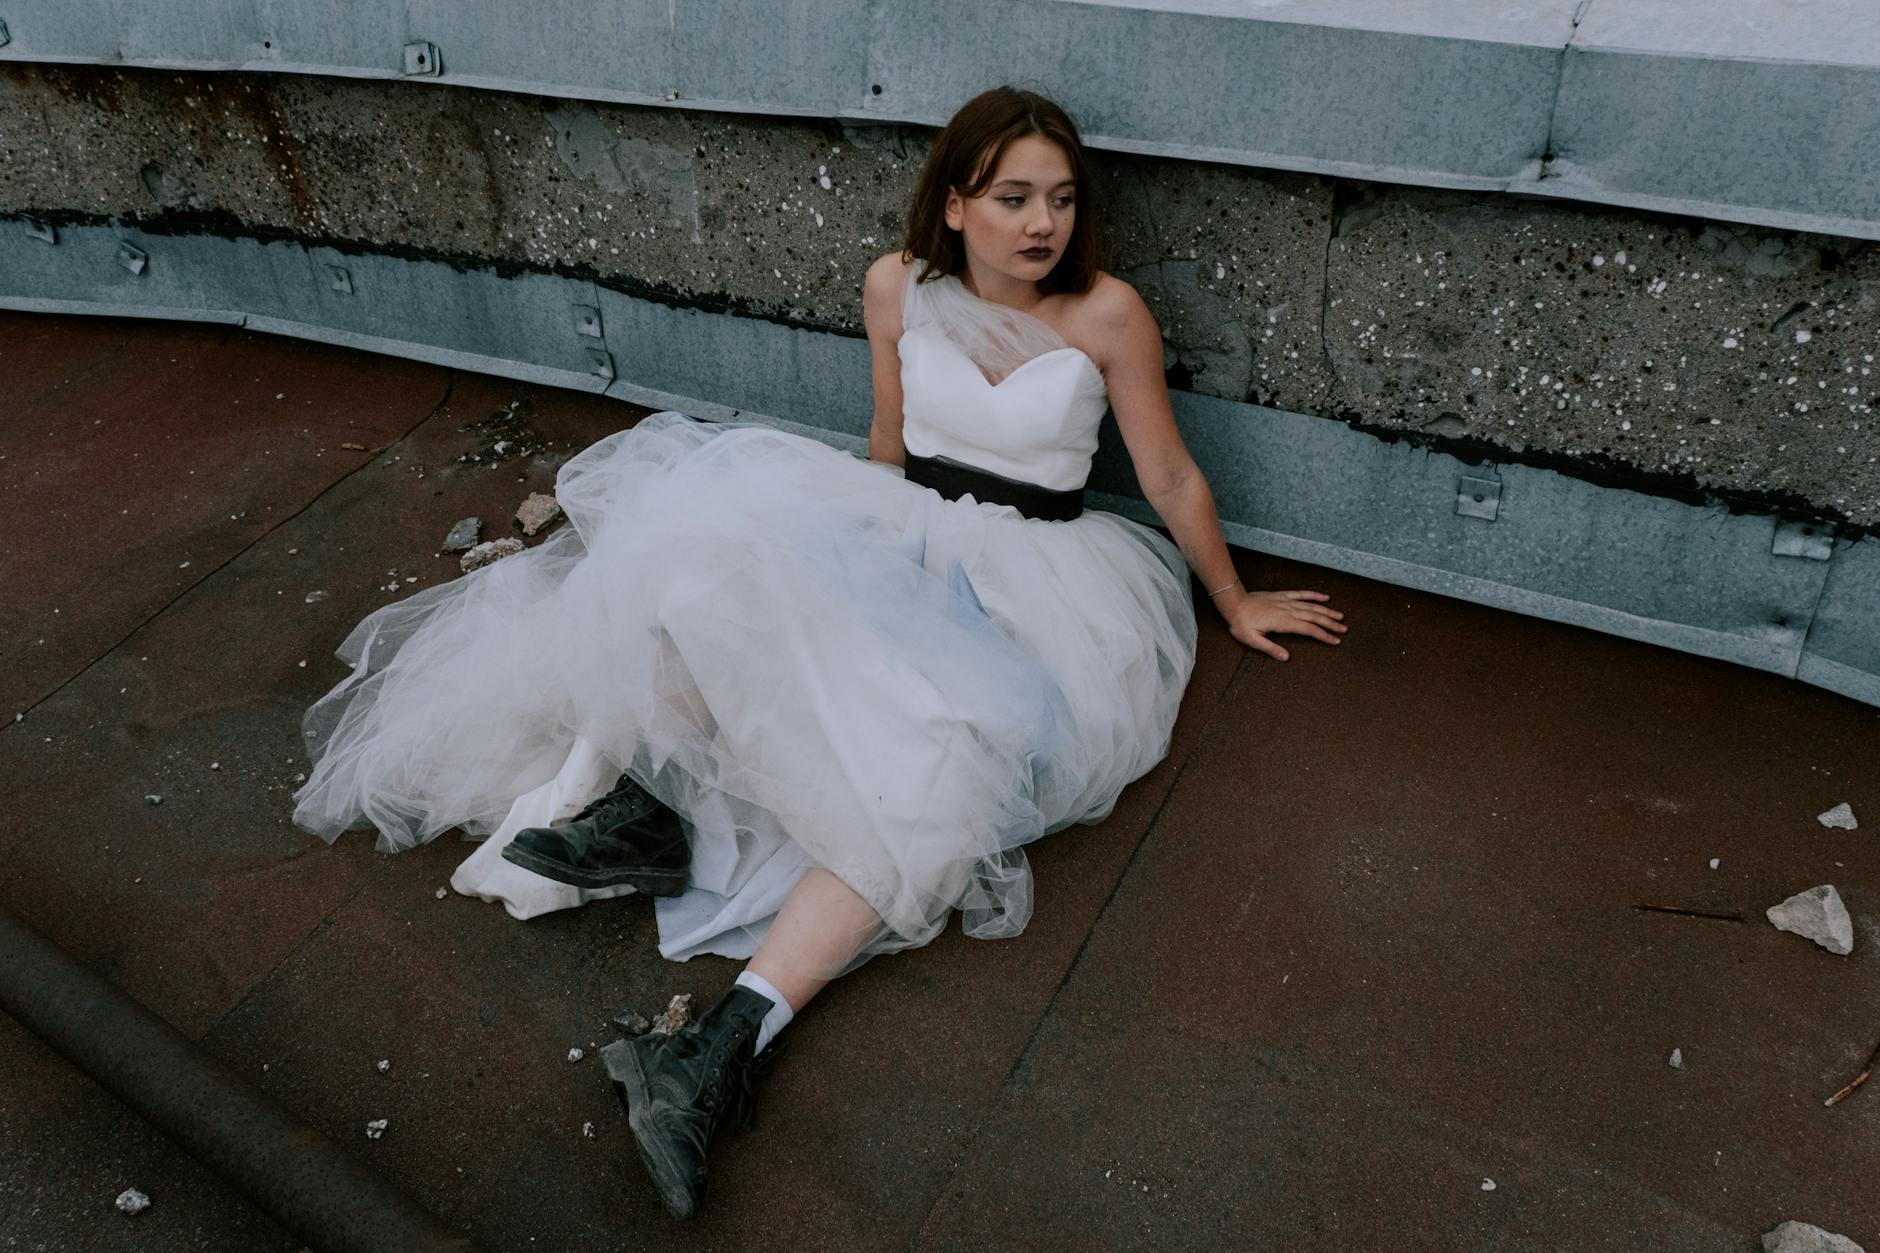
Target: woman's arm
(881,313)
(1174,484)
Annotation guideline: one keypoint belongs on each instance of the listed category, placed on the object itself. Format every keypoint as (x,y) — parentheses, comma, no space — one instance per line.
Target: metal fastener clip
(132,258)
(1797,538)
(1478,498)
(422,58)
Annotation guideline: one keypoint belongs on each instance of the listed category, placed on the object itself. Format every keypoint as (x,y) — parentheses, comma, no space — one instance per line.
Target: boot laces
(624,792)
(733,1087)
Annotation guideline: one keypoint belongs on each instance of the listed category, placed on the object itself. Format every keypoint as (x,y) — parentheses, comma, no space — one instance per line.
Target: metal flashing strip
(1747,588)
(1728,109)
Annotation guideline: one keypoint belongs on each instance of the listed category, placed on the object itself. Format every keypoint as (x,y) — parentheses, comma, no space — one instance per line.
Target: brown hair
(965,155)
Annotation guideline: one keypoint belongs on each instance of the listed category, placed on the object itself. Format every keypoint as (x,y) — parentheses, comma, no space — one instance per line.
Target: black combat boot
(626,836)
(677,1087)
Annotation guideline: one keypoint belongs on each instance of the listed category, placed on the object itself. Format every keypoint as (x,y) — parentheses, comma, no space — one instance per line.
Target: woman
(864,684)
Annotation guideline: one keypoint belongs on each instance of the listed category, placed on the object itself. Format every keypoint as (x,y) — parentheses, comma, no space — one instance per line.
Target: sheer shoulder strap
(998,338)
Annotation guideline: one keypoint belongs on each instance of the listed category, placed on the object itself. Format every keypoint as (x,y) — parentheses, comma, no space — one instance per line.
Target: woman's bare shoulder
(1103,316)
(882,287)
(1110,303)
(888,270)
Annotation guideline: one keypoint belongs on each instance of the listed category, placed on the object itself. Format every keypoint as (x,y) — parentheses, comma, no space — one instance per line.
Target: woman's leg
(677,1087)
(823,924)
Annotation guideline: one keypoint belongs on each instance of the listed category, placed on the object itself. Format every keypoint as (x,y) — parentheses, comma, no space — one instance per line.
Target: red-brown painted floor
(1366,941)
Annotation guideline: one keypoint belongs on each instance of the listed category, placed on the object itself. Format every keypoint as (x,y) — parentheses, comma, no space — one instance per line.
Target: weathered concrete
(1633,346)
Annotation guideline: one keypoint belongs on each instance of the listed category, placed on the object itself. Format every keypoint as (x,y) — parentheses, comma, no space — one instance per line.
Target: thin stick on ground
(1692,913)
(1859,1079)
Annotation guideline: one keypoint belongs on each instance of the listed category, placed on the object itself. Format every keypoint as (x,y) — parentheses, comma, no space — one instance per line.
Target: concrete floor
(1367,940)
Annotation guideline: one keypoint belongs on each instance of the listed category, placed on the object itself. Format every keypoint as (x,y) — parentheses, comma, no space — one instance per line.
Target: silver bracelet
(1217,591)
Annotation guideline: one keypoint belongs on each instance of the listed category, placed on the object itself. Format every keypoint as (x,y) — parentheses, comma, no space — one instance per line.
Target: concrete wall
(1671,355)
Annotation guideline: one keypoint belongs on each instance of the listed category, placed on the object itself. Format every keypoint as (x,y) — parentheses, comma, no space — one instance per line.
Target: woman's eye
(1014,201)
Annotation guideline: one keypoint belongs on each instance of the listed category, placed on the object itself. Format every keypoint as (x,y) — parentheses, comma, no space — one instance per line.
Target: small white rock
(1488,1185)
(441,893)
(1715,862)
(587,1129)
(153,799)
(376,1128)
(215,765)
(1677,1059)
(1794,1237)
(131,1201)
(575,1055)
(1841,817)
(382,1065)
(1819,915)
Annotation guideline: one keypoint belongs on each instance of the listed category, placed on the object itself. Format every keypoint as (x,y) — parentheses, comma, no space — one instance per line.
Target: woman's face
(1021,223)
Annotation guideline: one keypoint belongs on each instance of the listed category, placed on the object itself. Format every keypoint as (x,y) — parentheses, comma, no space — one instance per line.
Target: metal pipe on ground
(304,1180)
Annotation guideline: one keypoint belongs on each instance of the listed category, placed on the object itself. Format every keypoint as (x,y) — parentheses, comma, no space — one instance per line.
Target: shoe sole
(668,1177)
(651,882)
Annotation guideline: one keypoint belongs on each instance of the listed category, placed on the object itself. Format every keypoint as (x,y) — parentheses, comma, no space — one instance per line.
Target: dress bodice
(1037,422)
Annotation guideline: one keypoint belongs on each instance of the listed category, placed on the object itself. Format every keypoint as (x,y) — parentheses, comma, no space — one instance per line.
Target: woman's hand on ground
(1252,616)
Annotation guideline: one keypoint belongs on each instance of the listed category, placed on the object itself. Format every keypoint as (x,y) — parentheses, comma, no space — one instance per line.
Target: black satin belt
(954,479)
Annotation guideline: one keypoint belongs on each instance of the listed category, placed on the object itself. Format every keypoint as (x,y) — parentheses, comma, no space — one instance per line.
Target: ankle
(780,1013)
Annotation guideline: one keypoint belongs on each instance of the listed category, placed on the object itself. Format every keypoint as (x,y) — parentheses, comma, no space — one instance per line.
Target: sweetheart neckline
(960,352)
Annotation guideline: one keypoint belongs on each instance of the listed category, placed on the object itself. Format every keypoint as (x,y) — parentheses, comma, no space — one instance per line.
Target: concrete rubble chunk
(1841,817)
(1794,1237)
(676,1014)
(631,1023)
(464,535)
(1819,915)
(131,1201)
(538,511)
(490,550)
(376,1128)
(1677,1059)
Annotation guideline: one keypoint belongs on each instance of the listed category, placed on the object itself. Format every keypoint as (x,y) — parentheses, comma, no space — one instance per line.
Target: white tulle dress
(815,661)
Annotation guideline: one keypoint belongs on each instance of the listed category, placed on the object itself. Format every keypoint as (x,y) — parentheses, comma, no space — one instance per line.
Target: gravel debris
(539,510)
(678,1013)
(464,535)
(1794,1237)
(133,1202)
(1840,817)
(489,550)
(1819,915)
(575,1055)
(376,1128)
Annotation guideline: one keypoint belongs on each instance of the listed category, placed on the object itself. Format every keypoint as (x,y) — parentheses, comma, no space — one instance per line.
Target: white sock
(780,1012)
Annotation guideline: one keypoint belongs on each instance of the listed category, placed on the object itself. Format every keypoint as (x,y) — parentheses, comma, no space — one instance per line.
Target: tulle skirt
(814,661)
